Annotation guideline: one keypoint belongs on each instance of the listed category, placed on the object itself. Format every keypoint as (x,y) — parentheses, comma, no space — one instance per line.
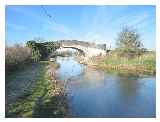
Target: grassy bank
(42,98)
(143,64)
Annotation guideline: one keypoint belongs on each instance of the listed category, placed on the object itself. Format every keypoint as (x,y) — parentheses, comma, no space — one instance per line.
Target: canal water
(95,93)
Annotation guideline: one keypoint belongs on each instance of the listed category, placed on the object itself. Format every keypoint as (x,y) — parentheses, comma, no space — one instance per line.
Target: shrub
(128,43)
(16,55)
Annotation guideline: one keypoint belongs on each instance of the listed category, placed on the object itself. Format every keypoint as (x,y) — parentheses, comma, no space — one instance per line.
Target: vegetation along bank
(129,56)
(32,89)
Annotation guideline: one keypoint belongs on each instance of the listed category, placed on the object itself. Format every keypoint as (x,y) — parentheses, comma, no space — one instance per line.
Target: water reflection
(89,77)
(128,86)
(68,68)
(94,93)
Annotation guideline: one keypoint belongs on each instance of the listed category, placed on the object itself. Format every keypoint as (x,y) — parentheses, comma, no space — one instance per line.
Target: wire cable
(47,14)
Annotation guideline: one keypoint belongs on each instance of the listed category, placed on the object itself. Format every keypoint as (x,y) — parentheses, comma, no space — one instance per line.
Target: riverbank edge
(123,69)
(46,96)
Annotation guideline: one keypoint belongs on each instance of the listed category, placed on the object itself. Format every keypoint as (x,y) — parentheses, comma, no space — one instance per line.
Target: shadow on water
(128,86)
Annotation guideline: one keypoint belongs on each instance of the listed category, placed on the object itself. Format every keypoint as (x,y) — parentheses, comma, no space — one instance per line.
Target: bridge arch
(72,47)
(86,49)
(61,52)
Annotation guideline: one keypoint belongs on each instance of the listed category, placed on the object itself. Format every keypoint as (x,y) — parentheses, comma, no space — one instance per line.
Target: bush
(16,55)
(128,43)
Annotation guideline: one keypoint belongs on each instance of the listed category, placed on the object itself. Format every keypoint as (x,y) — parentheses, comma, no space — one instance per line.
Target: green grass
(25,102)
(145,63)
(37,101)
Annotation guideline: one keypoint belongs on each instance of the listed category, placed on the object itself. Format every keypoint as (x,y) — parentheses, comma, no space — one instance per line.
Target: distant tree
(128,42)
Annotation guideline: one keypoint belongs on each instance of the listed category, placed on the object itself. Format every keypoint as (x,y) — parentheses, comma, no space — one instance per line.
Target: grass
(23,105)
(39,100)
(143,64)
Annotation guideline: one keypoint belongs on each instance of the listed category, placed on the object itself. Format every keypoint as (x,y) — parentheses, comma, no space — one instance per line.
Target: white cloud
(101,24)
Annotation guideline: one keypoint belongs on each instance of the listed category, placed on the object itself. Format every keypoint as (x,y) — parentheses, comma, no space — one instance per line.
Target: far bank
(144,64)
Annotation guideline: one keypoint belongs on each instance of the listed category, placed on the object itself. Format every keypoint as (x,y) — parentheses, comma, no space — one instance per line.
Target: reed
(145,63)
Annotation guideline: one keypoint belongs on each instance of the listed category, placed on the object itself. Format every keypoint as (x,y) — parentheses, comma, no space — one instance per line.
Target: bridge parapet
(82,43)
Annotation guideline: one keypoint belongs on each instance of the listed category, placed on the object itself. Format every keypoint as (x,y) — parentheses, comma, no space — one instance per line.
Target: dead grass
(15,56)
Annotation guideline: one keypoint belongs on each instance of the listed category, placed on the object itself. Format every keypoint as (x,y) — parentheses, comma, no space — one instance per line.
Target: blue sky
(99,24)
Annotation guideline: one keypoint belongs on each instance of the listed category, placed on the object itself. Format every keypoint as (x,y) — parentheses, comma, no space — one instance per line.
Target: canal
(95,93)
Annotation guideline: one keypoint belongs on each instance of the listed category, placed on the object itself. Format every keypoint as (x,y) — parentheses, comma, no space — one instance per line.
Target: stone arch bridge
(87,51)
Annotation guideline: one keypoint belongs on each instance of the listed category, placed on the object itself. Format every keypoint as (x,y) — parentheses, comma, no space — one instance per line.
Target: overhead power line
(47,13)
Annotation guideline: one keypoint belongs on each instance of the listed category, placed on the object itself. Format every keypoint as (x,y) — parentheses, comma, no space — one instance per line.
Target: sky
(99,24)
